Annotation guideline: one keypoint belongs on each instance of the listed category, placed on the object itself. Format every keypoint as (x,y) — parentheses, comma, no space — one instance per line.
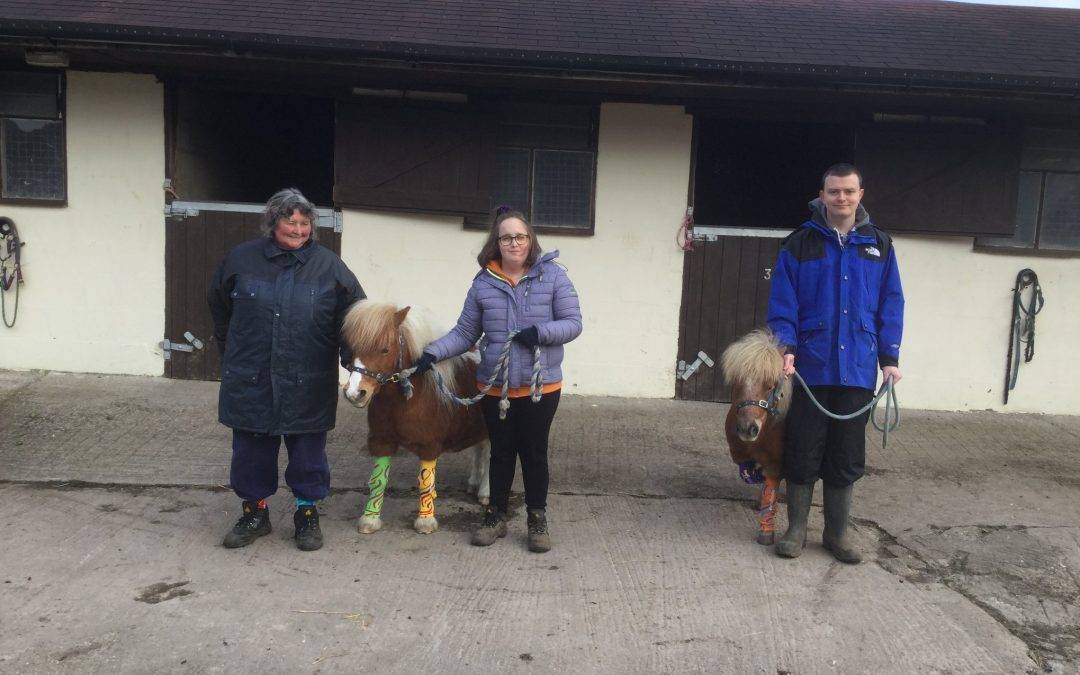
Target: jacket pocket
(815,339)
(868,343)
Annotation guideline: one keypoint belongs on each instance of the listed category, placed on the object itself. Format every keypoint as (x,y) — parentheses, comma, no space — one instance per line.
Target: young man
(837,307)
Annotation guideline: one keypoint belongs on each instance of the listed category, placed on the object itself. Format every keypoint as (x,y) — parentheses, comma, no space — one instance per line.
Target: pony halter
(769,405)
(384,378)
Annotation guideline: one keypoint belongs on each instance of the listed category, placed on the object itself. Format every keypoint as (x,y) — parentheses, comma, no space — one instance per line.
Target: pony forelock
(755,359)
(370,326)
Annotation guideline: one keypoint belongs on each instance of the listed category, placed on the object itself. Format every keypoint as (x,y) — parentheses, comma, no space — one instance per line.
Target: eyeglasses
(519,239)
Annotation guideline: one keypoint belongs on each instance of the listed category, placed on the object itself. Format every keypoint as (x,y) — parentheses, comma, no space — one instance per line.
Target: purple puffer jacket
(544,298)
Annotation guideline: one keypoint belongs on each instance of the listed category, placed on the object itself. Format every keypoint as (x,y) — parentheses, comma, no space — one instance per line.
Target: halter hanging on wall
(10,267)
(1022,330)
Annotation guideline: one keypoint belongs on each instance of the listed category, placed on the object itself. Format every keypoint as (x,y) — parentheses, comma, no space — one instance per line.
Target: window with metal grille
(545,165)
(1048,202)
(33,161)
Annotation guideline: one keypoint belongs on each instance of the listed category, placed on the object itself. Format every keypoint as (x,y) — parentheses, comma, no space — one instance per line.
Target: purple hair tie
(503,208)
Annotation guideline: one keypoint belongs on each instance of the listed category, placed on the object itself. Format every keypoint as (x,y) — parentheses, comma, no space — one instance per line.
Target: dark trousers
(254,472)
(524,434)
(817,446)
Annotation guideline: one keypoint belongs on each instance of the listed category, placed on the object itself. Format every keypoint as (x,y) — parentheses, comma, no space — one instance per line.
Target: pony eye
(385,350)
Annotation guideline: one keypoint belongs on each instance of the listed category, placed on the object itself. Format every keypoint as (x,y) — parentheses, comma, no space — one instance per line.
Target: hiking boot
(491,528)
(834,538)
(253,523)
(539,539)
(308,535)
(798,509)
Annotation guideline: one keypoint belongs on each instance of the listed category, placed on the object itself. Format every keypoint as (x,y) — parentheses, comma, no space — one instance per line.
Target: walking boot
(491,528)
(834,538)
(308,535)
(798,509)
(539,539)
(253,523)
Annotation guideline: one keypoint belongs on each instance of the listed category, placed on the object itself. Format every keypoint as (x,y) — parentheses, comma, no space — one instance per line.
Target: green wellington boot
(834,538)
(798,509)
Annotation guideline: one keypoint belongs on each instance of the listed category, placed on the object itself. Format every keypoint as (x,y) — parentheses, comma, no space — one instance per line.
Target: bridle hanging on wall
(1022,328)
(10,267)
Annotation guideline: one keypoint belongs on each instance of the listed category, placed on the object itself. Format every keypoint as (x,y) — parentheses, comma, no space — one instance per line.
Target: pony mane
(369,326)
(755,359)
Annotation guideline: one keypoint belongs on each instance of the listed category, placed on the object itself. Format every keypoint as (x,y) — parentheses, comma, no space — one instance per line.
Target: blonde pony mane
(370,326)
(755,359)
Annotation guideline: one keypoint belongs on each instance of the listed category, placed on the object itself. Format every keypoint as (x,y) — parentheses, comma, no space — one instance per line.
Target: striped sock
(261,504)
(301,503)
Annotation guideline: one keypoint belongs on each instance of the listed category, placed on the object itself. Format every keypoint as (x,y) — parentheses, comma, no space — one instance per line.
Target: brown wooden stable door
(725,295)
(194,247)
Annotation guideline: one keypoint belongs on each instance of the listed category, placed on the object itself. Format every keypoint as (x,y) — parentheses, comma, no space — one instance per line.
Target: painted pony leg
(767,511)
(371,521)
(425,518)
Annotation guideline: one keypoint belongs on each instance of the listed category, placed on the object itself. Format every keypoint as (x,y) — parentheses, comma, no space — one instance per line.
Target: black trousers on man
(816,446)
(524,434)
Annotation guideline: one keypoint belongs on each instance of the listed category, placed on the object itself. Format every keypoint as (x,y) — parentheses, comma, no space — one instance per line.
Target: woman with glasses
(518,288)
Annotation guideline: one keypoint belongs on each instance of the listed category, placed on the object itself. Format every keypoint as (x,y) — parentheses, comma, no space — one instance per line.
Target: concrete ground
(113,504)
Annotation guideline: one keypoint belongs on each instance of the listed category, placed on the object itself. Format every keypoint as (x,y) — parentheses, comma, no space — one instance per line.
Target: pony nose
(750,430)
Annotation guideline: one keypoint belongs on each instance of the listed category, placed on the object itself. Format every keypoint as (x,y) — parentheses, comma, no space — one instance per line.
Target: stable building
(138,143)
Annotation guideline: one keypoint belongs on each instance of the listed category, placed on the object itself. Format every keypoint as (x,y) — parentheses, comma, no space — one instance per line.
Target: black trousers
(524,434)
(817,446)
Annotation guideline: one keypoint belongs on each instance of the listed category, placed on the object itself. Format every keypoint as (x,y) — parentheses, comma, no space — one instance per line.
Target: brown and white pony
(384,340)
(760,396)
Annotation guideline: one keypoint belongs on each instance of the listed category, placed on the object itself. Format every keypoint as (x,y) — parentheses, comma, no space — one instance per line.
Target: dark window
(1048,205)
(33,165)
(545,165)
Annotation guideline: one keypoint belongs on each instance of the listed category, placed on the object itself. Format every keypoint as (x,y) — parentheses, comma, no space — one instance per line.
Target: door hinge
(168,347)
(180,211)
(686,370)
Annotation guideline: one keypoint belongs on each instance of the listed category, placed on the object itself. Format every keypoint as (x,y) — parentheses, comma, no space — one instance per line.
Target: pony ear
(399,316)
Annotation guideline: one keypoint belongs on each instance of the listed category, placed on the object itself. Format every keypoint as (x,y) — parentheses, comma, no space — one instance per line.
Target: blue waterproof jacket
(838,306)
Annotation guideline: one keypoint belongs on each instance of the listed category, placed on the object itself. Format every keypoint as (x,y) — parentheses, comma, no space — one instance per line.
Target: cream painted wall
(628,275)
(94,295)
(958,308)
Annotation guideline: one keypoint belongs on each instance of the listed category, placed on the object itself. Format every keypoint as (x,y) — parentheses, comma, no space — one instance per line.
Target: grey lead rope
(536,381)
(887,391)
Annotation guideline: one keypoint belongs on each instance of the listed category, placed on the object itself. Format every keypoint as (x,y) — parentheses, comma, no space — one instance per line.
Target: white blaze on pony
(385,340)
(352,389)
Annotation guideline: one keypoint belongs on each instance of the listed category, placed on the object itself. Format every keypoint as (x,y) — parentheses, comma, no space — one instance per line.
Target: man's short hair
(841,170)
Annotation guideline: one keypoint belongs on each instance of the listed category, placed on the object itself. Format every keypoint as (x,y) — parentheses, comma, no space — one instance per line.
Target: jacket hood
(818,215)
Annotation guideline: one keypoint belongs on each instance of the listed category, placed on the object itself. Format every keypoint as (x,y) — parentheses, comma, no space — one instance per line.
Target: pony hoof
(370,524)
(766,538)
(426,525)
(483,499)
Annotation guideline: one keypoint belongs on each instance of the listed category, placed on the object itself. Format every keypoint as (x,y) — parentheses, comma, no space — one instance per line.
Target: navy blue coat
(278,315)
(838,306)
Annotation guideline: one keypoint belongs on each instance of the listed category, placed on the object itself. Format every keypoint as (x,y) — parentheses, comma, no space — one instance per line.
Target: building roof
(925,41)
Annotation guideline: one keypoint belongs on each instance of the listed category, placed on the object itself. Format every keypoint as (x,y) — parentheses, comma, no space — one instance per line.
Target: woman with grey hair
(278,303)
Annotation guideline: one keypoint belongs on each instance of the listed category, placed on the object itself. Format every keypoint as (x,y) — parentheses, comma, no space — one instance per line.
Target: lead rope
(502,366)
(892,408)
